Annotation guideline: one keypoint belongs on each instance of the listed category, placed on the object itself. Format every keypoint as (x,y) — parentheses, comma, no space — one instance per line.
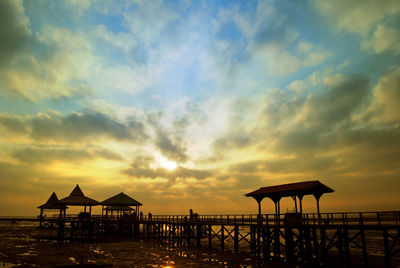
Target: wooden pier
(331,238)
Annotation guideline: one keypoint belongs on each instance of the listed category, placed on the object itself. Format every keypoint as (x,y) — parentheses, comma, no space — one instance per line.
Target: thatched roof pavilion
(52,204)
(77,198)
(120,203)
(294,190)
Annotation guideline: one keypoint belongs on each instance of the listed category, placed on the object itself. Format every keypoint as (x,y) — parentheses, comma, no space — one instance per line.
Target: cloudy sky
(191,104)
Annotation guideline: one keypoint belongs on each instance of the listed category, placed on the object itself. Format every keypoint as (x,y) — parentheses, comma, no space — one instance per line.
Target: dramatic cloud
(49,155)
(15,32)
(77,127)
(193,104)
(13,125)
(358,16)
(384,39)
(385,107)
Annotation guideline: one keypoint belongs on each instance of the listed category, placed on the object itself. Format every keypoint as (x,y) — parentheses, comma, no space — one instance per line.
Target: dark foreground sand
(19,248)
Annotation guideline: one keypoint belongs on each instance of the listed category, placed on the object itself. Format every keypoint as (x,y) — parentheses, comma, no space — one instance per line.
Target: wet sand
(19,248)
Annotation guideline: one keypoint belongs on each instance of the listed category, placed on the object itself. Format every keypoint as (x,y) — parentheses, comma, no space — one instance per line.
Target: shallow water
(18,246)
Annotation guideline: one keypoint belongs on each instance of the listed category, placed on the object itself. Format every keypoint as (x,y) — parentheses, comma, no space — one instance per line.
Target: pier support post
(179,226)
(252,240)
(209,236)
(258,234)
(315,243)
(346,244)
(222,238)
(300,242)
(340,244)
(324,253)
(236,238)
(289,246)
(173,234)
(267,243)
(308,247)
(386,247)
(277,243)
(60,233)
(198,232)
(364,246)
(188,235)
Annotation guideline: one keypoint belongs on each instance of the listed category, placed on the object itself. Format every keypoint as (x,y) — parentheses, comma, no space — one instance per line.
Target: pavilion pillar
(259,199)
(295,203)
(85,209)
(317,197)
(301,203)
(41,217)
(277,208)
(90,210)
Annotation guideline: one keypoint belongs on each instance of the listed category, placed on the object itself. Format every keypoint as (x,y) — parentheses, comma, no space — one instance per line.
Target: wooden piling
(236,238)
(386,247)
(222,238)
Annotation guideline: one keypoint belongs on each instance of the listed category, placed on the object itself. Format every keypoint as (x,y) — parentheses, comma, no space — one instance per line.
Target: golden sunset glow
(193,104)
(170,165)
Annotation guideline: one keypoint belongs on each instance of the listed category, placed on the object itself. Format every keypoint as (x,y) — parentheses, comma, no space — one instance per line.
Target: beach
(20,248)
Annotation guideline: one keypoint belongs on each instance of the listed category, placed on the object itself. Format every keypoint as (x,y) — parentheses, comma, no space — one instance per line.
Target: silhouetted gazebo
(52,204)
(294,190)
(120,203)
(77,198)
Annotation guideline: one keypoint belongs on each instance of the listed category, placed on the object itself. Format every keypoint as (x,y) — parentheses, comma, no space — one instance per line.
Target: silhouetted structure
(314,240)
(77,198)
(294,190)
(120,203)
(52,204)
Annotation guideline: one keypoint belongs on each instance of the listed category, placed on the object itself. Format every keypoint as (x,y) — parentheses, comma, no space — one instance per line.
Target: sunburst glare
(170,165)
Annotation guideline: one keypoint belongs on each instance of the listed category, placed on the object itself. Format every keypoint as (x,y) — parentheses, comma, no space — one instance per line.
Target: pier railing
(332,218)
(335,218)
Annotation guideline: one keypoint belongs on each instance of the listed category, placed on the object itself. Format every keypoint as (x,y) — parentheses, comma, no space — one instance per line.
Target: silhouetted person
(150,216)
(141,214)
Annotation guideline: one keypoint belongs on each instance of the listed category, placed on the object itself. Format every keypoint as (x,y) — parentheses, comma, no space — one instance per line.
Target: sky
(192,104)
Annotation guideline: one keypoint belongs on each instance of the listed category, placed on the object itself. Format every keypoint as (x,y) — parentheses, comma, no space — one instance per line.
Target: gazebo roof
(121,199)
(291,189)
(77,198)
(52,203)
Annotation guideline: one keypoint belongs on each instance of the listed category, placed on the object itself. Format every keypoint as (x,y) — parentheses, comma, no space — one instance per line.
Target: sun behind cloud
(169,165)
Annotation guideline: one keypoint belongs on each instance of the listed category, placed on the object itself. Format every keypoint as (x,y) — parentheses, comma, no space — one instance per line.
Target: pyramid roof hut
(52,203)
(77,198)
(121,199)
(120,203)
